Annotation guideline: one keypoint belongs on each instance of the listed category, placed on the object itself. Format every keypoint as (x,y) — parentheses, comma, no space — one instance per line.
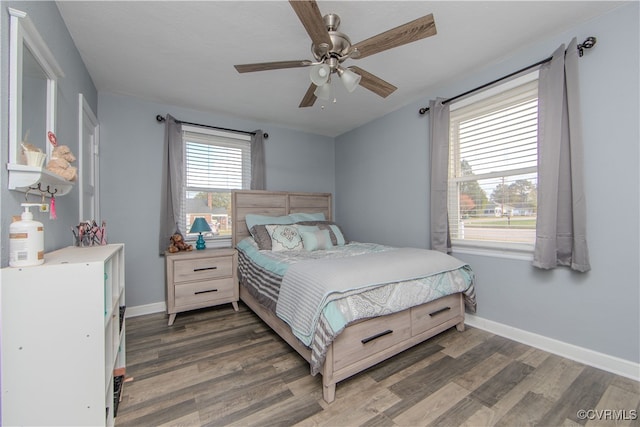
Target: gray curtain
(439,137)
(561,223)
(258,174)
(172,180)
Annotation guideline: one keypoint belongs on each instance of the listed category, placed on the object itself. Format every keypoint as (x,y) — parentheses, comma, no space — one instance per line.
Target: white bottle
(26,240)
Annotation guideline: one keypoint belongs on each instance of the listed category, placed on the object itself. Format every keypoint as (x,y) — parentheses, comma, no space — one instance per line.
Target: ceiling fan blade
(311,18)
(309,97)
(374,83)
(410,32)
(277,65)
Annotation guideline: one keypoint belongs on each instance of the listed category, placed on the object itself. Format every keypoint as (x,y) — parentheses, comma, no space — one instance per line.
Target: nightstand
(201,278)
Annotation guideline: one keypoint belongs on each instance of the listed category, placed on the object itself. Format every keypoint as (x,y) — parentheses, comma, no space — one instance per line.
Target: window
(492,194)
(216,162)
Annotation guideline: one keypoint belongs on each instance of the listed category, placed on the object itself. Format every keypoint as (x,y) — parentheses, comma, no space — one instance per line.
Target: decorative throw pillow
(315,240)
(284,237)
(337,236)
(307,228)
(261,237)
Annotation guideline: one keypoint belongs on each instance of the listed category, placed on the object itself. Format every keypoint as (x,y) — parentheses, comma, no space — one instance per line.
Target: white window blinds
(493,168)
(215,163)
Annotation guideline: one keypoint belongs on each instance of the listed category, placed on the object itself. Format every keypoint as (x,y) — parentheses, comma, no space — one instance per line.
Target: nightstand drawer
(202,269)
(204,293)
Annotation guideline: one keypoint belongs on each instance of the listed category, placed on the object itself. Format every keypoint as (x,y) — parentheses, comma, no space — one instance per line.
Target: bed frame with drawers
(362,344)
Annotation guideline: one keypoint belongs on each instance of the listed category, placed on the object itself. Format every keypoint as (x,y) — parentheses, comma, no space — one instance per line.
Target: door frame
(87,119)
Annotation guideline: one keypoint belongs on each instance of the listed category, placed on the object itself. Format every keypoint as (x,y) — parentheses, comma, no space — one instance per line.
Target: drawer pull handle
(442,310)
(204,292)
(376,336)
(205,268)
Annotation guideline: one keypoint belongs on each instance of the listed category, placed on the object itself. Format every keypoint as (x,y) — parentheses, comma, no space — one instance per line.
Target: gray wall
(131,143)
(382,195)
(47,19)
(379,174)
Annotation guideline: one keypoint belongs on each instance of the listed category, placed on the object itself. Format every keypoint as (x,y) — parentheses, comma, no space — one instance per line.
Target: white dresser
(63,338)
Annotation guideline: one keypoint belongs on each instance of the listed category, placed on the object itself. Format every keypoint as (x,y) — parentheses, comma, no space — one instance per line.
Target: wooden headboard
(273,203)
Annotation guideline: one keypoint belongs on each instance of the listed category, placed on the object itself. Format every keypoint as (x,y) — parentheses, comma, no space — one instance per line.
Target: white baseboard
(602,361)
(140,310)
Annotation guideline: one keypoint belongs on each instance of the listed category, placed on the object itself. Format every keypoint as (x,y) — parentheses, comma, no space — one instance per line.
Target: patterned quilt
(262,274)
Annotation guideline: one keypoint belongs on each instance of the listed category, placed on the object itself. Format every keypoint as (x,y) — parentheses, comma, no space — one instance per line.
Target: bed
(340,333)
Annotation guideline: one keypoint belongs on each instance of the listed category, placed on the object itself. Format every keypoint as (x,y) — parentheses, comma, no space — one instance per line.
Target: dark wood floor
(220,367)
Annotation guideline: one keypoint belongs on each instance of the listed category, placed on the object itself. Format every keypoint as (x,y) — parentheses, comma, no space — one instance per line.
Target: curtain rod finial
(587,44)
(159,118)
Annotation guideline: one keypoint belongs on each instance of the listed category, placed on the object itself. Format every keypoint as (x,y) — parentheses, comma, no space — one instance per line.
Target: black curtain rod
(587,44)
(161,119)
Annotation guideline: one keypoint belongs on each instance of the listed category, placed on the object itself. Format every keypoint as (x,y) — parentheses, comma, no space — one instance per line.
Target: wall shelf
(24,178)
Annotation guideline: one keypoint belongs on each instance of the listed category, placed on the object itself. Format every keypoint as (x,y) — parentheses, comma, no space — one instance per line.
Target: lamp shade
(199,225)
(323,91)
(320,74)
(350,80)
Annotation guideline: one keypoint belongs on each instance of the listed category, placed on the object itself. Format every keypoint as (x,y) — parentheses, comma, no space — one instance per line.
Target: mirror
(34,100)
(32,88)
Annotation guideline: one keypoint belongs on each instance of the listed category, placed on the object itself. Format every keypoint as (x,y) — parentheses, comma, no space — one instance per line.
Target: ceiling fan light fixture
(323,91)
(350,80)
(320,74)
(330,48)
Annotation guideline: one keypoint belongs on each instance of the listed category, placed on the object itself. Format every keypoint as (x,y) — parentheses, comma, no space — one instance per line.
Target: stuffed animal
(60,163)
(178,244)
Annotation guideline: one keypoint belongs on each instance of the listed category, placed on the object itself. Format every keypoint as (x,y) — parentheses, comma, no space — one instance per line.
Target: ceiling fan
(331,48)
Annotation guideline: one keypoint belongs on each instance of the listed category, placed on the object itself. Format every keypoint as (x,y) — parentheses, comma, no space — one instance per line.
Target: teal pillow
(316,240)
(304,216)
(254,219)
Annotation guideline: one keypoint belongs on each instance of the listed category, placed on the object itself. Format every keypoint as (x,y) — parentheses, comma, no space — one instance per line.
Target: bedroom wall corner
(381,177)
(131,172)
(597,311)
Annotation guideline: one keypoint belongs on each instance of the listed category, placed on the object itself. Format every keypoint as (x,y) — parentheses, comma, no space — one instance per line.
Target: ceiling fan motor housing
(340,41)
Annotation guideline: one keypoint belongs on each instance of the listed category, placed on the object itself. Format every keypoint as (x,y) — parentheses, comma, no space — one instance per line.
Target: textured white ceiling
(182,53)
